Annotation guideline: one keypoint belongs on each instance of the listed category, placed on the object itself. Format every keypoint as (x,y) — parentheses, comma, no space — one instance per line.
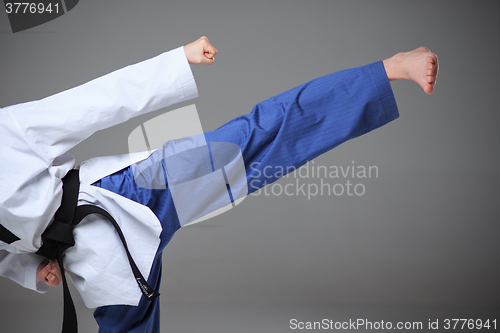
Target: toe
(429,88)
(432,59)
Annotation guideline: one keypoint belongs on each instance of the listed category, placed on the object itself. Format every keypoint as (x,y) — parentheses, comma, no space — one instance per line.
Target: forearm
(55,124)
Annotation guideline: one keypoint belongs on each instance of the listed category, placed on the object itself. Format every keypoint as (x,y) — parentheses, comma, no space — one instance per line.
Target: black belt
(58,237)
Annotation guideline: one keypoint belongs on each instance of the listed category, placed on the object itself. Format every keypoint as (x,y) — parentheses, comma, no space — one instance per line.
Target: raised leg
(283,133)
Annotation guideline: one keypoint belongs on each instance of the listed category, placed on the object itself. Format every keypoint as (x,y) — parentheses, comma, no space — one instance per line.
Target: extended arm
(55,124)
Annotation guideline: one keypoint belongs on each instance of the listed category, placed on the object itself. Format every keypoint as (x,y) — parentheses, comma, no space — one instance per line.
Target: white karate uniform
(34,140)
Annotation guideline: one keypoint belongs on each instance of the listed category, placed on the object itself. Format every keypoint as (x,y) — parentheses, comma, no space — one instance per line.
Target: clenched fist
(200,52)
(48,271)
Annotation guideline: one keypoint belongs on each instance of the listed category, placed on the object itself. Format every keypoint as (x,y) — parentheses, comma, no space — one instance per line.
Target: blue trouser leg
(300,124)
(284,131)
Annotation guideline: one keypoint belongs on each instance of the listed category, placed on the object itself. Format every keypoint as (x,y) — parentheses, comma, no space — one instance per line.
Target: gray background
(421,244)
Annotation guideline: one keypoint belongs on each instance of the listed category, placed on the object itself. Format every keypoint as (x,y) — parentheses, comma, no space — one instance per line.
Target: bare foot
(419,65)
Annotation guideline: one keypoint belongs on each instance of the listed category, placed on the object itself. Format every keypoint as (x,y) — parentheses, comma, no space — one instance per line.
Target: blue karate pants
(287,130)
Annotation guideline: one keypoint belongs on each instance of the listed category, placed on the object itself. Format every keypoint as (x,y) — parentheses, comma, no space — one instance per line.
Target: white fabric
(34,140)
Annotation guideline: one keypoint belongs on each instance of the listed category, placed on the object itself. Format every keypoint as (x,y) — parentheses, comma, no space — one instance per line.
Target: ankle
(393,67)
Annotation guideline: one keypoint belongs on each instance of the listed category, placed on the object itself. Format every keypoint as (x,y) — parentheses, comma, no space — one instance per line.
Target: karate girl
(286,130)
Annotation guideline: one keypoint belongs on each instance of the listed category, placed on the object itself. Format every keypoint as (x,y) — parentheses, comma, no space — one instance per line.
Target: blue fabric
(287,130)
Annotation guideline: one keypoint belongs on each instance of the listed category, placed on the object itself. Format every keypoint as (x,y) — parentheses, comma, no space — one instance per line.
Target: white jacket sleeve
(21,268)
(56,124)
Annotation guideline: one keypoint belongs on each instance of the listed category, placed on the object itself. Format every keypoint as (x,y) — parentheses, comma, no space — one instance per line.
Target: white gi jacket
(34,140)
